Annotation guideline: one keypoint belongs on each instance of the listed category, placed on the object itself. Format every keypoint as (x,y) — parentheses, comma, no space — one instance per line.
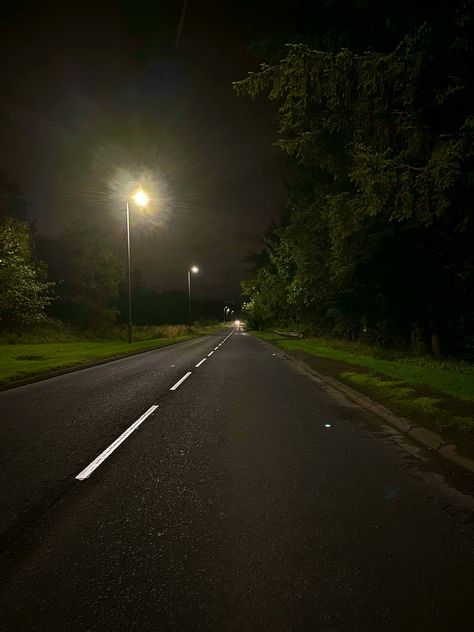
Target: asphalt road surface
(249,497)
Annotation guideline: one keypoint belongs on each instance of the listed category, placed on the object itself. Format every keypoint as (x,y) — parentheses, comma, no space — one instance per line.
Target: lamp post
(194,270)
(225,312)
(140,198)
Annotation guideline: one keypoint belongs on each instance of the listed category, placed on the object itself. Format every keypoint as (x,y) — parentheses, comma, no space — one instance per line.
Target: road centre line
(86,472)
(179,382)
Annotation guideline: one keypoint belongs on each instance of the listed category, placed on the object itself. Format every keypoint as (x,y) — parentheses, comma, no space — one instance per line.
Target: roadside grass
(450,377)
(410,402)
(54,347)
(436,393)
(21,361)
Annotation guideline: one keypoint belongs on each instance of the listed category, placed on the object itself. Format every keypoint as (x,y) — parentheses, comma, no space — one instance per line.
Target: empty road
(212,486)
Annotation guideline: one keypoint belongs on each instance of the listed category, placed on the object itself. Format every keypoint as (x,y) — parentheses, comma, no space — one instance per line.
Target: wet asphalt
(251,499)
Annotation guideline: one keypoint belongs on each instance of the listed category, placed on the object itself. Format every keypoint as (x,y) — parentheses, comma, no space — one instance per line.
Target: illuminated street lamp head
(140,198)
(194,269)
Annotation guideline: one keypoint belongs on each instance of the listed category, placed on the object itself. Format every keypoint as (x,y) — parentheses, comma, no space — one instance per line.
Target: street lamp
(225,311)
(194,270)
(141,199)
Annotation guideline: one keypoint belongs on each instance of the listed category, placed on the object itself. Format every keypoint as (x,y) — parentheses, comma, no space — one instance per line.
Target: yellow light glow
(141,198)
(194,269)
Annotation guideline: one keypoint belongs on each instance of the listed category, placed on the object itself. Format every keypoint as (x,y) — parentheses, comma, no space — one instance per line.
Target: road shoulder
(323,370)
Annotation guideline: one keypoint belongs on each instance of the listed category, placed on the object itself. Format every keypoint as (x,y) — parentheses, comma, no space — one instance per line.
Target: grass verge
(452,378)
(55,347)
(20,361)
(436,394)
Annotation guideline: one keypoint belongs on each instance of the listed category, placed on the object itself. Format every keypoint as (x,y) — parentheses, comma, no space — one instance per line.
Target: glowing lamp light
(141,198)
(194,269)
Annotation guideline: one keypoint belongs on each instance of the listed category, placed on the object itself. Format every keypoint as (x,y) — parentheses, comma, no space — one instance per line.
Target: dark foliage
(24,290)
(171,307)
(375,108)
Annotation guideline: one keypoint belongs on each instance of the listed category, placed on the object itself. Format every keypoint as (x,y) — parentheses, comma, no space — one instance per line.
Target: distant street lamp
(141,199)
(194,270)
(225,312)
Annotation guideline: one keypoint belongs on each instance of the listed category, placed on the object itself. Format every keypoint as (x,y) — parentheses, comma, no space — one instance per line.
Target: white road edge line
(209,354)
(199,363)
(179,382)
(86,472)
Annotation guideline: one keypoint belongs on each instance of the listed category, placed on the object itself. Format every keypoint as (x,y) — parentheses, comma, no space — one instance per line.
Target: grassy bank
(452,378)
(50,349)
(435,393)
(21,361)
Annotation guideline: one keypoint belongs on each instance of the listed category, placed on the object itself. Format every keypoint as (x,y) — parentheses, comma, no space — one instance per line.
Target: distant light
(194,269)
(327,425)
(237,323)
(141,198)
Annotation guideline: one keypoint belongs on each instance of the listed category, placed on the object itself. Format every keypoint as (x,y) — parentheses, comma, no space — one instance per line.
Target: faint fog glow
(147,188)
(141,198)
(327,425)
(194,269)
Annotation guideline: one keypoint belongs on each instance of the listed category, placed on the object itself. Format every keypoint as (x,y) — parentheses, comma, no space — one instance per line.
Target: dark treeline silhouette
(170,307)
(76,278)
(375,113)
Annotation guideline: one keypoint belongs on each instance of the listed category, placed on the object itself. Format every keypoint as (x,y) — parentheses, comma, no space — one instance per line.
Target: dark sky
(94,96)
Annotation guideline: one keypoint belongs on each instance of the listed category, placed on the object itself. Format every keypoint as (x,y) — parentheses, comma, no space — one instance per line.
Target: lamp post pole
(189,297)
(194,270)
(140,198)
(129,278)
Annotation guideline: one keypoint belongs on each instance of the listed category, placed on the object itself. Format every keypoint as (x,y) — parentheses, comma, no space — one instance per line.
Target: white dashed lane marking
(86,472)
(179,382)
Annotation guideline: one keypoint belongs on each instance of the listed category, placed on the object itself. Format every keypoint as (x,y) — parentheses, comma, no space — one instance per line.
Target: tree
(88,274)
(24,291)
(379,219)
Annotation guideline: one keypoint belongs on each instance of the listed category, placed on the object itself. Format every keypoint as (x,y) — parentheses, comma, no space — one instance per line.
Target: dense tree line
(375,113)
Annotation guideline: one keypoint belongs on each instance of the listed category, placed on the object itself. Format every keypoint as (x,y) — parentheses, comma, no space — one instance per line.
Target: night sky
(95,96)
